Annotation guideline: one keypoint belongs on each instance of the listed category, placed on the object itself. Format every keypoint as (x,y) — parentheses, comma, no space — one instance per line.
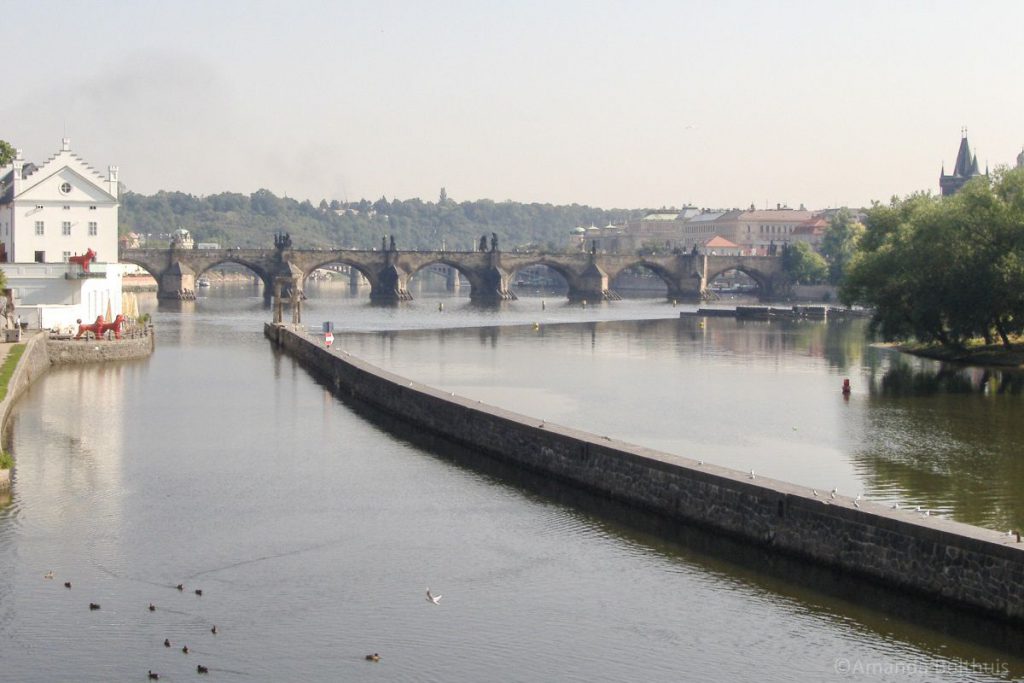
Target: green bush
(6,460)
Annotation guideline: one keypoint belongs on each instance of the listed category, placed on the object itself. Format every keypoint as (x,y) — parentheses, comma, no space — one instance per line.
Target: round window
(65,187)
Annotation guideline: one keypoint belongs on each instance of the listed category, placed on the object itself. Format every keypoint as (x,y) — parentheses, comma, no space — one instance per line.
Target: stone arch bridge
(489,273)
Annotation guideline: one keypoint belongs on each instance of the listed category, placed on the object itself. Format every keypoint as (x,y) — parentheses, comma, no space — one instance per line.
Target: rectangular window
(65,255)
(65,228)
(40,227)
(93,228)
(92,208)
(67,208)
(40,257)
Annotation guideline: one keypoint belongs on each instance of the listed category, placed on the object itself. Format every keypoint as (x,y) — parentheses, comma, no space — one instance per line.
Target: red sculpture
(83,260)
(100,327)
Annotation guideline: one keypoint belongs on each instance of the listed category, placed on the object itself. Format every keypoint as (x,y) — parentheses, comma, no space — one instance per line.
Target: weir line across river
(954,563)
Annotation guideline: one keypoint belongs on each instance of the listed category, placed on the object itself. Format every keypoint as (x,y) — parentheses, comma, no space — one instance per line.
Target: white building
(49,213)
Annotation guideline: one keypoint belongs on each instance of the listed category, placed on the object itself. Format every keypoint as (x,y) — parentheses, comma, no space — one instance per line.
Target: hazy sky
(612,104)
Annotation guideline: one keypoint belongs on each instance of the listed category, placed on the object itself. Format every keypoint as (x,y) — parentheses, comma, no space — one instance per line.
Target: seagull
(895,506)
(815,492)
(833,494)
(752,474)
(856,504)
(48,575)
(436,599)
(700,462)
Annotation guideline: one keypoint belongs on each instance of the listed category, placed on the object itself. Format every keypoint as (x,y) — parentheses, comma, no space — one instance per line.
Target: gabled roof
(719,242)
(33,176)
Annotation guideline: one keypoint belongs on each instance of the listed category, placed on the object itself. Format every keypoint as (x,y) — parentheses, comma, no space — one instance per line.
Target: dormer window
(67,208)
(92,208)
(65,188)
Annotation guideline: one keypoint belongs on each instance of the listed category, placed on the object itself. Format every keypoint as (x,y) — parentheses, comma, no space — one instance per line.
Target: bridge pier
(176,282)
(356,280)
(390,287)
(452,280)
(590,286)
(491,285)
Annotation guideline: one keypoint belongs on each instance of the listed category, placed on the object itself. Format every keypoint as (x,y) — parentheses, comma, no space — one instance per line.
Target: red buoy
(846,387)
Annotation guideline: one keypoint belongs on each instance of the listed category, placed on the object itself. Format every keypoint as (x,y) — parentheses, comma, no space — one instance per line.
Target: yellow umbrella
(109,314)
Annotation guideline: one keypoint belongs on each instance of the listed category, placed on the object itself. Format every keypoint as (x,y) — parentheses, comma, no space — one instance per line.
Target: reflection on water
(903,379)
(314,527)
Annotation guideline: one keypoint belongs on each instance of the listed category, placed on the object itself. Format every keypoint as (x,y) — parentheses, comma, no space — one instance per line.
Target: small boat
(202,282)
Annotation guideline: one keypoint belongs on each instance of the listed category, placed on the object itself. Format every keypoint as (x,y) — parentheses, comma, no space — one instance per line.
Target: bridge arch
(567,273)
(339,259)
(664,275)
(765,282)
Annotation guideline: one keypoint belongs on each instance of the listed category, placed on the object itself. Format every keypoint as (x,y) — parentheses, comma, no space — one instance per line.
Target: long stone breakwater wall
(954,563)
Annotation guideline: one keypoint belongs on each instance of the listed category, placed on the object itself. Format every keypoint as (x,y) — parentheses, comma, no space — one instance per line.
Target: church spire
(965,168)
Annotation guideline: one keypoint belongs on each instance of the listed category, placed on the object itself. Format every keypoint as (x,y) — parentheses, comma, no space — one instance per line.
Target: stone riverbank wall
(954,563)
(68,351)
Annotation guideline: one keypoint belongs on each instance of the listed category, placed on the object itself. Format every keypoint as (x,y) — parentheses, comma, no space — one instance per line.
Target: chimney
(112,180)
(65,144)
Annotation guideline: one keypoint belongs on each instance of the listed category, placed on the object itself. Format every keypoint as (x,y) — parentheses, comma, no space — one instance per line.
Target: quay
(952,563)
(41,353)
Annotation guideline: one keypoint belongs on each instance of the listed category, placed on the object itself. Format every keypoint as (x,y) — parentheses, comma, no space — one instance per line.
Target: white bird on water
(436,599)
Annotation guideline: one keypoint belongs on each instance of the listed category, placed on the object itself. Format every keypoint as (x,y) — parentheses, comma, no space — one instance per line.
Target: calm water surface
(314,533)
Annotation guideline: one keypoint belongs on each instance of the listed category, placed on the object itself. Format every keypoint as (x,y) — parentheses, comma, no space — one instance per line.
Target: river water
(314,527)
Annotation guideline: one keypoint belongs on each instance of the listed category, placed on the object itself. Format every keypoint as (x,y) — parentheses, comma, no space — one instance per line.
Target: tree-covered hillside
(237,220)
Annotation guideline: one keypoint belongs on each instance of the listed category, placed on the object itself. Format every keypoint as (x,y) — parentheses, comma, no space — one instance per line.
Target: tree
(840,243)
(7,153)
(945,269)
(803,265)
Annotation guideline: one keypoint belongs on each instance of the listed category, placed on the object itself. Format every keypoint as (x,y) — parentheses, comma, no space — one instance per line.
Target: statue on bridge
(494,241)
(483,243)
(283,240)
(391,245)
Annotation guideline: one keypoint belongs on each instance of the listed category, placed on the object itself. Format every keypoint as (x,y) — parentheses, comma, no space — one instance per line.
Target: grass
(7,369)
(6,460)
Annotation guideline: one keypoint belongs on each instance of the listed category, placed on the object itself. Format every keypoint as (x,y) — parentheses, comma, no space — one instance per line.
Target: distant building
(966,167)
(719,246)
(49,213)
(182,239)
